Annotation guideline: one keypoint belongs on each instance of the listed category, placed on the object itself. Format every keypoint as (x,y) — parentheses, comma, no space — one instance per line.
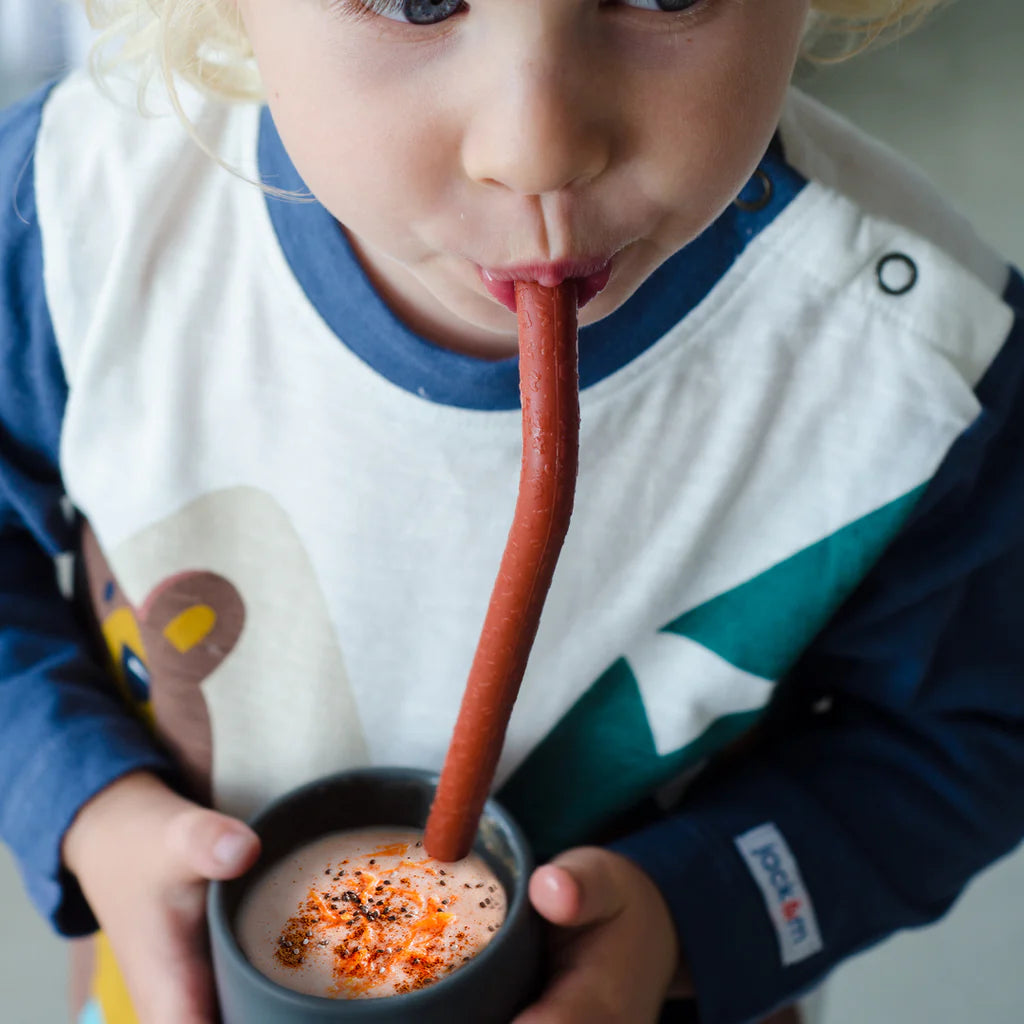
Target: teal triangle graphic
(762,625)
(599,761)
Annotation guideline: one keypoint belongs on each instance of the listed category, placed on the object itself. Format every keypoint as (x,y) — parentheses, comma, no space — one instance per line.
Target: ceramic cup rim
(518,904)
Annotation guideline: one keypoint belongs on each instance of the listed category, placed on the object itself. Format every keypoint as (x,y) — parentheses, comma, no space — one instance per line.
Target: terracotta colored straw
(549,387)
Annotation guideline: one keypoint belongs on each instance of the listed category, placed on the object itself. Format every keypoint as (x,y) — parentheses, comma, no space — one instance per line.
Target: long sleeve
(890,769)
(64,734)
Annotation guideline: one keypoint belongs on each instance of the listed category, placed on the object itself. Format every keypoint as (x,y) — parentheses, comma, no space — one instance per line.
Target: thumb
(579,887)
(208,845)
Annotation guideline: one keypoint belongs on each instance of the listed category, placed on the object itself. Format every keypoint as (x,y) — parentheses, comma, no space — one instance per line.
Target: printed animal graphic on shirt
(220,631)
(228,648)
(163,650)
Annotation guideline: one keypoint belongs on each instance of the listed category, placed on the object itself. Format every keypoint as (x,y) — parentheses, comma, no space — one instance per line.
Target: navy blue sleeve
(890,769)
(64,735)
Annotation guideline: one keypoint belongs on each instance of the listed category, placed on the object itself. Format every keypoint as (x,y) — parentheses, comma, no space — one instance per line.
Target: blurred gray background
(951,98)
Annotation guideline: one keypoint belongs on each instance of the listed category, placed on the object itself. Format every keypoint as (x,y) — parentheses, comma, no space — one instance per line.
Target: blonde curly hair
(203,42)
(837,29)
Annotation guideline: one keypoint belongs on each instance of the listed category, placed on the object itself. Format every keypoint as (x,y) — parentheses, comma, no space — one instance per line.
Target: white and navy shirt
(800,504)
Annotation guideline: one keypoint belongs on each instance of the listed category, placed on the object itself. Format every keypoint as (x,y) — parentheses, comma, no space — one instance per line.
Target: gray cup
(490,989)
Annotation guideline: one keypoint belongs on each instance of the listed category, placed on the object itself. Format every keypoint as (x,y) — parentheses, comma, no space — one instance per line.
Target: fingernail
(230,849)
(552,881)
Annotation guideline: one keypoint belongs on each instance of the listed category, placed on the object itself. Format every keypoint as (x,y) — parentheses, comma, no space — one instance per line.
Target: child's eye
(416,12)
(661,5)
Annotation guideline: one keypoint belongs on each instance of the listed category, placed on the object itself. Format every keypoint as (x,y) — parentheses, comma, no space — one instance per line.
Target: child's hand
(143,856)
(615,951)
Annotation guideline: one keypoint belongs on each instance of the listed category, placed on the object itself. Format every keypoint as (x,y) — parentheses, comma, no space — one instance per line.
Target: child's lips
(590,277)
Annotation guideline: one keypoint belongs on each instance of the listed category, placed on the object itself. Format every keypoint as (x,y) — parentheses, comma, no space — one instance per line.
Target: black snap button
(896,273)
(760,201)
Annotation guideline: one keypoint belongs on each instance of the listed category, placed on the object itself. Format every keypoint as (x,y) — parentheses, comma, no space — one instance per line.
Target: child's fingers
(598,981)
(206,845)
(555,894)
(173,988)
(168,974)
(168,971)
(143,855)
(615,948)
(578,888)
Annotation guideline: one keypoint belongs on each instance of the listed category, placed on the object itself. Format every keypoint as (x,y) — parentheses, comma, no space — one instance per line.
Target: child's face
(508,134)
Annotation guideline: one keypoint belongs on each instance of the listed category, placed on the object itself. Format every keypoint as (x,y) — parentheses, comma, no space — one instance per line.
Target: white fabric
(213,413)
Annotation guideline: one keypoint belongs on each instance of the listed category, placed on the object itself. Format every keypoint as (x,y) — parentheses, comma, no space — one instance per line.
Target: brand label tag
(774,868)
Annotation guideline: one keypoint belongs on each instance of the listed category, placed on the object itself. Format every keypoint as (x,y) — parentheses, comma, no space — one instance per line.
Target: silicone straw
(549,388)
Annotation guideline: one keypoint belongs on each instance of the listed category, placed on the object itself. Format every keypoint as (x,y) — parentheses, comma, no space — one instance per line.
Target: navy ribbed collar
(329,273)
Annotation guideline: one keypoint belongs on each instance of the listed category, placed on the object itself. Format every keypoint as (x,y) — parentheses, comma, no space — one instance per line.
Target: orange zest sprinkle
(391,850)
(432,924)
(374,925)
(418,864)
(326,914)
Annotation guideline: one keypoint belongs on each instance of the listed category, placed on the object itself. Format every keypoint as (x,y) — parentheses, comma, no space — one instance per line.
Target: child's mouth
(591,277)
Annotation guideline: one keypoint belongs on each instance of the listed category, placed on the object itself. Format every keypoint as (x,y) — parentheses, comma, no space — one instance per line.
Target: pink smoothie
(367,913)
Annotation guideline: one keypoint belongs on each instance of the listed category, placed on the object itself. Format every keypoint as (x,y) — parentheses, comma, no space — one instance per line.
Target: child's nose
(539,131)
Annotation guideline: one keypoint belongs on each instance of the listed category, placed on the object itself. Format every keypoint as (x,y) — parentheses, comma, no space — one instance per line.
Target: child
(288,436)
